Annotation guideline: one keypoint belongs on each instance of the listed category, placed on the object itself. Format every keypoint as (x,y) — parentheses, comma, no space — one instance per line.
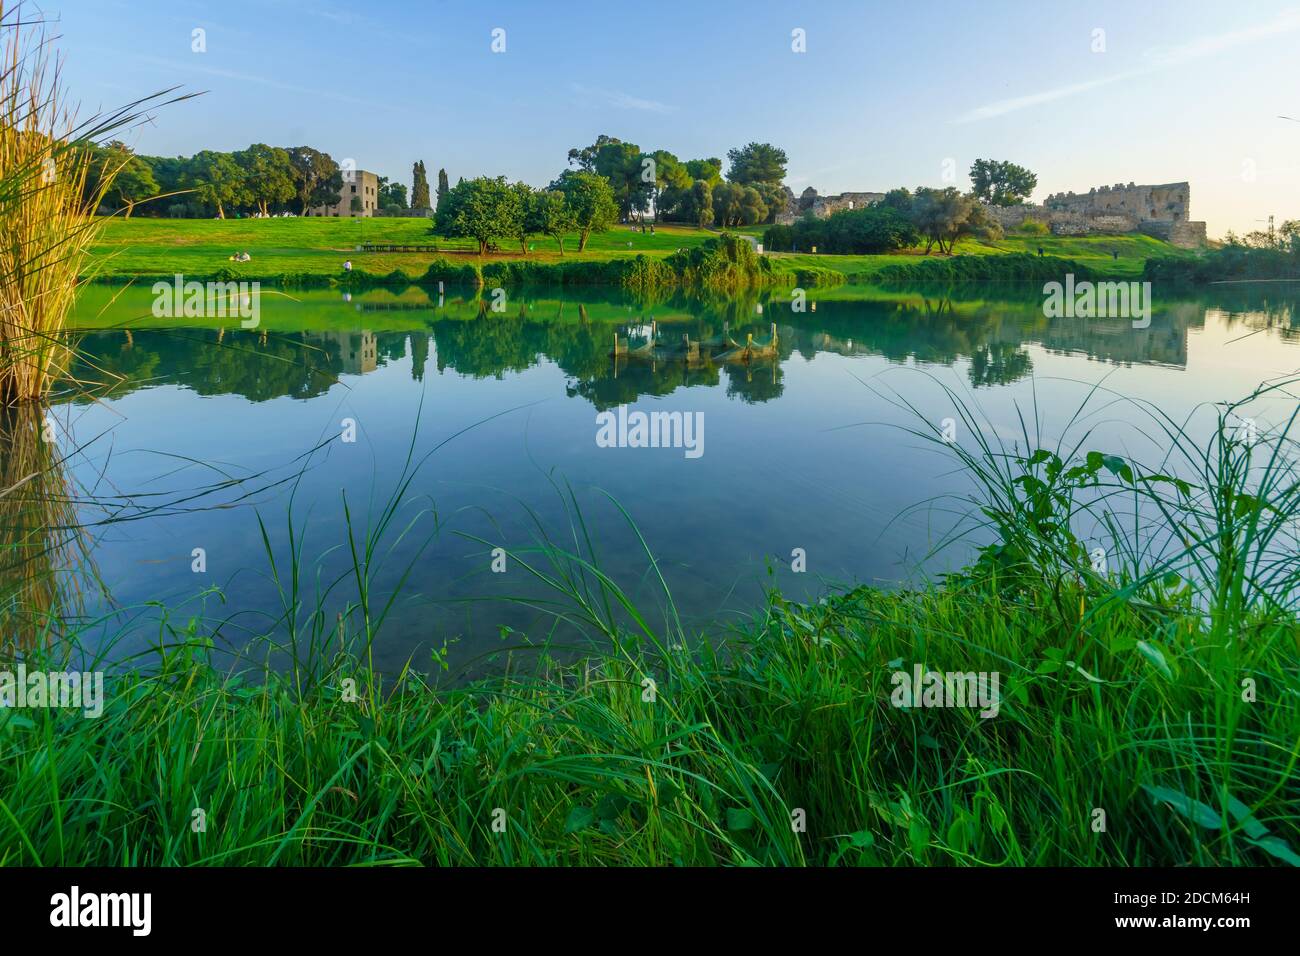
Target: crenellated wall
(1161,210)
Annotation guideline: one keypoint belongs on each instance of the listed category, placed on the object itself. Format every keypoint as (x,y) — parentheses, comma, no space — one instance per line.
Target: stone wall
(823,206)
(1161,211)
(1168,202)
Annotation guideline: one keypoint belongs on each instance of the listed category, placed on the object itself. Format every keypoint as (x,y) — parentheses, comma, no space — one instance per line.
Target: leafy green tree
(899,200)
(391,195)
(776,196)
(1001,183)
(738,205)
(169,172)
(702,202)
(268,175)
(585,157)
(443,188)
(132,176)
(420,186)
(316,177)
(218,181)
(710,170)
(550,215)
(621,164)
(481,209)
(669,175)
(590,198)
(943,216)
(526,223)
(757,163)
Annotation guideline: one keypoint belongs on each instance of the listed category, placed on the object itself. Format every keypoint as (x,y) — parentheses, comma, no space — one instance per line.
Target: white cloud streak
(1158,58)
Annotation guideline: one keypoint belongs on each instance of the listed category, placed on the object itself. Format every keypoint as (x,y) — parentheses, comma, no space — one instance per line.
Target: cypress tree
(443,188)
(420,188)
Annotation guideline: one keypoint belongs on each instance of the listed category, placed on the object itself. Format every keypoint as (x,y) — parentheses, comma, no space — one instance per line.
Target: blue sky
(886,94)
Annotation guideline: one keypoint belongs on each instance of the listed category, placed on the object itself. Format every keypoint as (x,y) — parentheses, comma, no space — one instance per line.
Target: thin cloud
(268,82)
(1158,58)
(621,101)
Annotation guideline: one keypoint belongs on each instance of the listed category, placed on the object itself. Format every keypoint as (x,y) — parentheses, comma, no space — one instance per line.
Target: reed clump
(47,205)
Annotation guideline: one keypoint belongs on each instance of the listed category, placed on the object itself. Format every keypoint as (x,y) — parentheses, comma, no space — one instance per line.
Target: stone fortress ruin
(823,206)
(1162,211)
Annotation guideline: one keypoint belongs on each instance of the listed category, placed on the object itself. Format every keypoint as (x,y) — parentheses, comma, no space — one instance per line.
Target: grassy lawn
(318,247)
(1097,251)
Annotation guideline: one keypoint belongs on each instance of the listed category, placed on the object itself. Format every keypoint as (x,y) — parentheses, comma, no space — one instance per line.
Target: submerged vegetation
(1149,710)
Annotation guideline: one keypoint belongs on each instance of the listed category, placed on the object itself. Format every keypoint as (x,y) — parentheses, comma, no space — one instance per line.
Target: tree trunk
(523,246)
(130,205)
(559,239)
(582,239)
(221,212)
(261,204)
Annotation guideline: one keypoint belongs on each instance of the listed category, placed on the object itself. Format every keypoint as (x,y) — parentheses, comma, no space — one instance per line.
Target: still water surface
(195,432)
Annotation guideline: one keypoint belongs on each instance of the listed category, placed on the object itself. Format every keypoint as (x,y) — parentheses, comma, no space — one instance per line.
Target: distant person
(1040,252)
(1114,254)
(347,266)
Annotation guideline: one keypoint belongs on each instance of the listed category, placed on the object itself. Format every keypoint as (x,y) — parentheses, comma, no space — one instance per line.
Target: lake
(181,436)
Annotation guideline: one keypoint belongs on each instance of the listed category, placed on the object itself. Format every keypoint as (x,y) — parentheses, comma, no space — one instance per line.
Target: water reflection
(582,338)
(200,424)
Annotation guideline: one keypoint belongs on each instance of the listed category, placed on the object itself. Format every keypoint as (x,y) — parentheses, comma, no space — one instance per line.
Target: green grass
(1093,251)
(317,247)
(1124,735)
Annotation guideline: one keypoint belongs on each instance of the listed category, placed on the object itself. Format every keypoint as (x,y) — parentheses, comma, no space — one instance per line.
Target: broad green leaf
(739,819)
(1156,657)
(1186,806)
(1277,847)
(579,819)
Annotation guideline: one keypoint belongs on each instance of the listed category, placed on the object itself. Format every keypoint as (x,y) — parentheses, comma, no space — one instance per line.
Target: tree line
(260,179)
(904,218)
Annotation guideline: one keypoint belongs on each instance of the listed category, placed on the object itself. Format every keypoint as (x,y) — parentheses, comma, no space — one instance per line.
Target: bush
(869,231)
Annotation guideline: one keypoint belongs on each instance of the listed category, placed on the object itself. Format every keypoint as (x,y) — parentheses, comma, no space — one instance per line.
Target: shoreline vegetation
(311,253)
(1147,714)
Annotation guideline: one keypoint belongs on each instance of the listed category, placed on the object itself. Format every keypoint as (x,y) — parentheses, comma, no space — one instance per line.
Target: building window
(354,189)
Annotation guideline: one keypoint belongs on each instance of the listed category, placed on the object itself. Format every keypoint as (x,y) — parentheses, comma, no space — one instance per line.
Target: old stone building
(1163,211)
(823,206)
(361,185)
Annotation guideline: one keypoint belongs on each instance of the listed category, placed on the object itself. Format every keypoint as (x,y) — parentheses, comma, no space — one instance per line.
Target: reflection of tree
(999,364)
(419,354)
(242,362)
(39,542)
(756,382)
(576,333)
